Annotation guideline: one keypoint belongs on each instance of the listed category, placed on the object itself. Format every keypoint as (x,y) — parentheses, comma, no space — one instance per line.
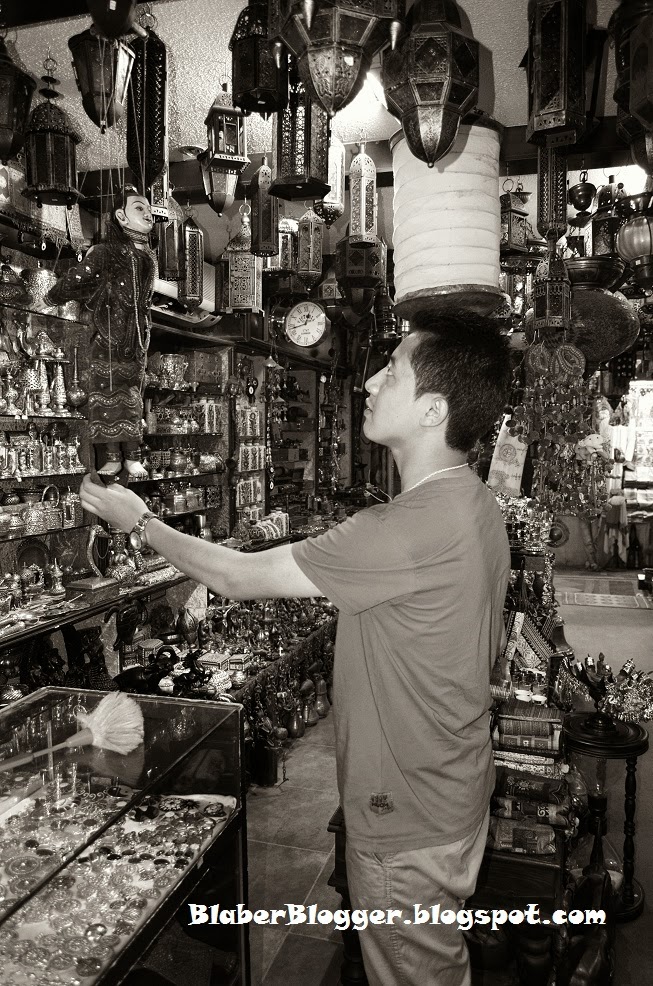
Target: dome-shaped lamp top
(241,242)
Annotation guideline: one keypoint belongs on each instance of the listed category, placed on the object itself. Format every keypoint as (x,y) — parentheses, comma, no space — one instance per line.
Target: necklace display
(432,474)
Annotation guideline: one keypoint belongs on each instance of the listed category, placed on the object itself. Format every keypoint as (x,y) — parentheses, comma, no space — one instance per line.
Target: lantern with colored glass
(551,192)
(226,156)
(360,271)
(431,78)
(51,150)
(635,245)
(191,282)
(300,146)
(260,82)
(552,295)
(607,220)
(265,213)
(362,199)
(641,86)
(556,71)
(514,217)
(329,294)
(332,206)
(310,236)
(102,70)
(244,283)
(170,247)
(16,91)
(147,114)
(335,41)
(284,262)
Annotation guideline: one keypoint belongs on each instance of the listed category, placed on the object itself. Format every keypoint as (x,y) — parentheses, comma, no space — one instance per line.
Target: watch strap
(142,522)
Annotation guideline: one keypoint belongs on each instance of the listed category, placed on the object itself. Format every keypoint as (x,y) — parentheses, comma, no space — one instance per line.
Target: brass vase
(77,396)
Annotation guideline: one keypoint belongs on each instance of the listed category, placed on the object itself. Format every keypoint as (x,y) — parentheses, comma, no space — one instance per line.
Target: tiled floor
(290,861)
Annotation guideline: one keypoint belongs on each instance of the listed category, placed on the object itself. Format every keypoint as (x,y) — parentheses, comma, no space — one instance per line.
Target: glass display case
(99,850)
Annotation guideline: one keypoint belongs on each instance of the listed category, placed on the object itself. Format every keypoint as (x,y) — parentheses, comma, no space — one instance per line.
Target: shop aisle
(291,852)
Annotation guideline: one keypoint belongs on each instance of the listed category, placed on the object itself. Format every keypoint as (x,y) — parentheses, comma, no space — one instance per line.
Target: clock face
(305,324)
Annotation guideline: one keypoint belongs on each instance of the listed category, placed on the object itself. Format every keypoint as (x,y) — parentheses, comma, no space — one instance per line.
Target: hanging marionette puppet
(115,281)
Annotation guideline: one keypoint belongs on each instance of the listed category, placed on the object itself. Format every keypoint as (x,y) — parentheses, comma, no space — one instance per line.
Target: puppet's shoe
(136,469)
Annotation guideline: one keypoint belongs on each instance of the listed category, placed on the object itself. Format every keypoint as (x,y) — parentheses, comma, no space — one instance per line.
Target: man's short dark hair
(465,358)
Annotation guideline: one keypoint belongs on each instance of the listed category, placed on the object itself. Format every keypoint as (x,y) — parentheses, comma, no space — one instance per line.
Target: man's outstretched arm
(236,575)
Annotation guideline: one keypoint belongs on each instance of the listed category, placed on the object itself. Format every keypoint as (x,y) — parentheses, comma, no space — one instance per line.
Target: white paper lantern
(447,224)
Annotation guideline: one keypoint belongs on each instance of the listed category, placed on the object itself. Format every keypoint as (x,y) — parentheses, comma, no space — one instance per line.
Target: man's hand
(120,507)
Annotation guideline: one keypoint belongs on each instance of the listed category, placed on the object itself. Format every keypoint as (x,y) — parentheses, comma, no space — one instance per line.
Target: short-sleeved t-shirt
(420,584)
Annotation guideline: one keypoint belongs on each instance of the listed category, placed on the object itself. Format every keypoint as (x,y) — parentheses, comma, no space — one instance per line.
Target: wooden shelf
(176,479)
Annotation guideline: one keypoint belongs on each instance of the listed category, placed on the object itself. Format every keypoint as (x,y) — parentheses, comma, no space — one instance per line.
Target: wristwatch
(137,531)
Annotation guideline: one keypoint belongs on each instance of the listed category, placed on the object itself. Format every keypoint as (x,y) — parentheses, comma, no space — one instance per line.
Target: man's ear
(436,412)
(121,215)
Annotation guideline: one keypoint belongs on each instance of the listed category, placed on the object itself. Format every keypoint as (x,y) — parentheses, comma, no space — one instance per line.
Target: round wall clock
(305,324)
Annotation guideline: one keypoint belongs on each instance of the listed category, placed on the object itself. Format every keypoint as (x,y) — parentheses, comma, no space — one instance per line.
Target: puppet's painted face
(136,217)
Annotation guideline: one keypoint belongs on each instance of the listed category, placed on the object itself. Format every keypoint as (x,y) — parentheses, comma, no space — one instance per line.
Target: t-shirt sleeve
(358,564)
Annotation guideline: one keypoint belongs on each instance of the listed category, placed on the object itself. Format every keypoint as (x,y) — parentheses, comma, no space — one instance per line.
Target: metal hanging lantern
(147,117)
(16,91)
(431,78)
(310,237)
(226,156)
(113,19)
(191,282)
(641,84)
(385,325)
(607,220)
(552,295)
(51,150)
(360,272)
(362,199)
(335,41)
(625,19)
(300,147)
(329,294)
(244,282)
(514,217)
(102,70)
(635,246)
(265,213)
(260,81)
(284,261)
(556,72)
(332,206)
(551,192)
(170,247)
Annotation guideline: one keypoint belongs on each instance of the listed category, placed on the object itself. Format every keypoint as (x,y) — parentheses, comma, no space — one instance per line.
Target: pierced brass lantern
(556,72)
(284,261)
(147,110)
(226,156)
(310,236)
(551,192)
(191,283)
(260,81)
(102,70)
(245,283)
(514,216)
(552,295)
(332,206)
(431,78)
(51,150)
(335,41)
(362,199)
(360,272)
(265,213)
(16,91)
(300,146)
